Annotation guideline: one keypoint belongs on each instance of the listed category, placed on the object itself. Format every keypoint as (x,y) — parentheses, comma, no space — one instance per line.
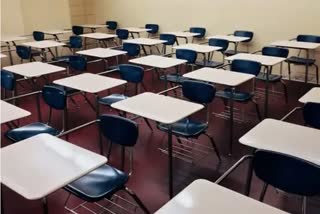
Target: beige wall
(83,11)
(11,17)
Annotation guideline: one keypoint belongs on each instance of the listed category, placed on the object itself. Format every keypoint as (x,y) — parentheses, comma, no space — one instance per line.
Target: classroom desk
(99,37)
(90,83)
(43,164)
(183,35)
(287,138)
(205,197)
(93,27)
(12,39)
(205,50)
(231,38)
(158,63)
(226,78)
(55,33)
(313,96)
(3,56)
(32,71)
(268,62)
(162,109)
(136,30)
(307,46)
(43,45)
(146,42)
(11,112)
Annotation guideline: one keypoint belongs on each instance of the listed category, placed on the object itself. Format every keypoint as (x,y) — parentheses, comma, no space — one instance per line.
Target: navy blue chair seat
(211,64)
(113,98)
(173,78)
(186,128)
(237,95)
(98,184)
(64,59)
(300,61)
(272,77)
(31,130)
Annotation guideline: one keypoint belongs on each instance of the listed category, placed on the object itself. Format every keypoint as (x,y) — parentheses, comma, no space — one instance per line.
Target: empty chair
(200,30)
(8,82)
(241,33)
(190,56)
(77,30)
(154,29)
(198,92)
(311,115)
(171,40)
(38,35)
(104,182)
(133,50)
(274,78)
(75,43)
(26,53)
(287,173)
(122,34)
(112,25)
(296,60)
(224,44)
(55,98)
(242,66)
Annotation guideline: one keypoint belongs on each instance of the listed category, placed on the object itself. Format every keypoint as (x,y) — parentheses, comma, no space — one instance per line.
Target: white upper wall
(269,19)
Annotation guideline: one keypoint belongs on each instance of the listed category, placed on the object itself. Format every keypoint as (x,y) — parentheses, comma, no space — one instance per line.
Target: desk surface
(198,48)
(44,44)
(158,61)
(3,56)
(230,38)
(99,36)
(264,60)
(145,41)
(56,32)
(11,112)
(313,96)
(93,26)
(13,38)
(160,108)
(286,138)
(102,53)
(137,29)
(296,44)
(183,34)
(205,197)
(34,69)
(42,164)
(91,83)
(219,76)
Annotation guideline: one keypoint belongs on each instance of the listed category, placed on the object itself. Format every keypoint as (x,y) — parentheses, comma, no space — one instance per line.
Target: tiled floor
(150,165)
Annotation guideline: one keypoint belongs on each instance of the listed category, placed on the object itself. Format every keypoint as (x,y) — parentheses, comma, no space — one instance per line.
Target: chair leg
(289,70)
(263,192)
(304,205)
(285,90)
(148,123)
(109,151)
(257,109)
(317,73)
(137,200)
(213,145)
(123,157)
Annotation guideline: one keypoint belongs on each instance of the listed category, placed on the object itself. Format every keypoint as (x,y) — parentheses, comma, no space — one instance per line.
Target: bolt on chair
(242,66)
(106,181)
(241,33)
(197,92)
(55,98)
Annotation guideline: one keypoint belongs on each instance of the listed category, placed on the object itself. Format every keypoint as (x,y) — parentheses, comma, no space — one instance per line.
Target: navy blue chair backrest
(23,52)
(189,55)
(311,114)
(119,130)
(275,51)
(200,30)
(170,38)
(224,44)
(78,63)
(38,35)
(77,30)
(287,173)
(133,50)
(122,34)
(54,96)
(246,66)
(154,28)
(308,38)
(8,80)
(198,92)
(131,73)
(75,42)
(244,33)
(112,25)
